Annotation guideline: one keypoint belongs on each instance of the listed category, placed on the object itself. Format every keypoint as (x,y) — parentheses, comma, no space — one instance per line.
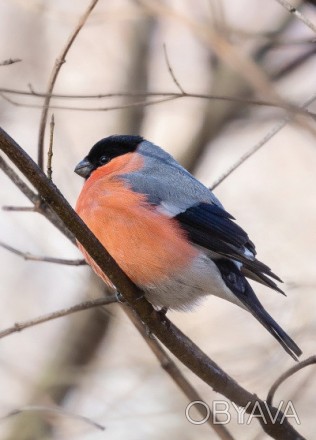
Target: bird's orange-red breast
(146,244)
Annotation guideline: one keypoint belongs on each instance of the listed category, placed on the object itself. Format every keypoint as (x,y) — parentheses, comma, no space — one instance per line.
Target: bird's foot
(162,315)
(119,297)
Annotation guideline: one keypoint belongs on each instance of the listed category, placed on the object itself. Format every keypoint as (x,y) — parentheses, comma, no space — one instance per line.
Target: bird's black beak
(84,168)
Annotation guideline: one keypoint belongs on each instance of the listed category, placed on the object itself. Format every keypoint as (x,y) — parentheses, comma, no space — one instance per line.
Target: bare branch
(180,345)
(39,204)
(290,107)
(171,70)
(10,61)
(34,198)
(51,83)
(310,361)
(36,94)
(50,148)
(175,374)
(11,101)
(288,6)
(294,63)
(31,257)
(219,45)
(142,103)
(259,145)
(277,40)
(55,410)
(19,326)
(297,42)
(19,208)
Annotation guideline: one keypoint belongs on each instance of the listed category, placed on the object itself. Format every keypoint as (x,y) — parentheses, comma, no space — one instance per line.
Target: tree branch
(170,69)
(289,7)
(39,204)
(50,148)
(260,144)
(10,61)
(10,208)
(165,96)
(19,326)
(310,361)
(31,257)
(54,410)
(51,83)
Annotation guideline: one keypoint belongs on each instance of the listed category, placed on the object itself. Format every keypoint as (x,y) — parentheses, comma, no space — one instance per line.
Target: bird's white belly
(187,288)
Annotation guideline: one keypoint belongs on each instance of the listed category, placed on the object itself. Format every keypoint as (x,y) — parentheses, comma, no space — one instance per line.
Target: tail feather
(240,287)
(262,279)
(274,329)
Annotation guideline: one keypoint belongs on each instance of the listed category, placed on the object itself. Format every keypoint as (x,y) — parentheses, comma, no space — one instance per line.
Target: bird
(168,232)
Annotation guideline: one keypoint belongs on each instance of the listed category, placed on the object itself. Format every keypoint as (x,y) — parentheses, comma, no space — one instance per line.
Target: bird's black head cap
(105,150)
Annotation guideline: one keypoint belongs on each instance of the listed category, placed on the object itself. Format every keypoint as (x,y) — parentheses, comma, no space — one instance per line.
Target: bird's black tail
(240,287)
(257,310)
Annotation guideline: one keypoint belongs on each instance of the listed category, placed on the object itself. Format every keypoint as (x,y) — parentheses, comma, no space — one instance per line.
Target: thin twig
(310,361)
(169,335)
(297,14)
(51,83)
(259,145)
(54,410)
(170,69)
(19,326)
(228,53)
(11,101)
(19,208)
(50,148)
(302,385)
(10,61)
(31,257)
(298,42)
(28,192)
(39,204)
(143,103)
(36,94)
(293,64)
(219,45)
(241,100)
(277,40)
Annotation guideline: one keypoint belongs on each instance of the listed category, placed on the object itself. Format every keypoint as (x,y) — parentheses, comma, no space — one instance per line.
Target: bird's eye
(103,160)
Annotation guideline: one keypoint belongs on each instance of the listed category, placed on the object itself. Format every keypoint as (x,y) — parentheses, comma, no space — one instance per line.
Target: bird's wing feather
(212,228)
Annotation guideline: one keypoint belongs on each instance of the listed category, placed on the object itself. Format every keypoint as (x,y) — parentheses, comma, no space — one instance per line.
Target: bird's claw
(119,297)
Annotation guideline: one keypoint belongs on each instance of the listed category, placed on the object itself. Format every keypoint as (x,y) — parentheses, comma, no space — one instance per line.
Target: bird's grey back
(166,182)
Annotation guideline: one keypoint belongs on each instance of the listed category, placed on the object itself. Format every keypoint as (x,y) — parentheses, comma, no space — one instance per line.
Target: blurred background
(94,363)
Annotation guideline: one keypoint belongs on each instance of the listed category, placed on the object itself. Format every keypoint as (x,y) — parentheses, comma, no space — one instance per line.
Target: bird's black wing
(211,227)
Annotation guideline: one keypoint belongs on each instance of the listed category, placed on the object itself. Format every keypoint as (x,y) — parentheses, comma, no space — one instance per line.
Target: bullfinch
(168,232)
